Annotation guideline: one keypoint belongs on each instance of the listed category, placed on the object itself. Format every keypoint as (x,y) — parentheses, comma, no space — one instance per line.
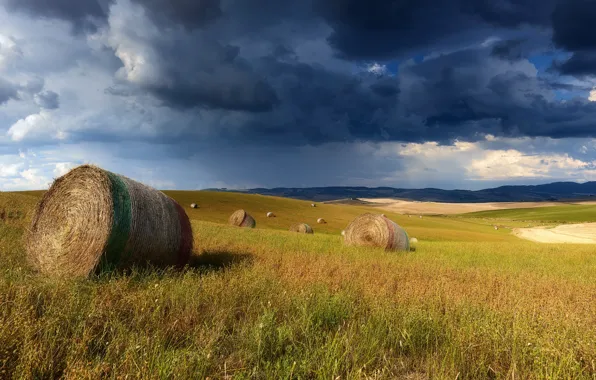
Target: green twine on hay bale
(93,219)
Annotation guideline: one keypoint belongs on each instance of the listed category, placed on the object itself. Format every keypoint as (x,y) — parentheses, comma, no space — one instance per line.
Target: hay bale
(270,215)
(413,241)
(92,219)
(343,232)
(376,231)
(383,215)
(194,205)
(241,218)
(313,205)
(302,228)
(321,221)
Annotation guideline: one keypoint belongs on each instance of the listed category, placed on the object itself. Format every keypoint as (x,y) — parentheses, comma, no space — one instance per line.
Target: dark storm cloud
(580,64)
(7,91)
(240,64)
(575,31)
(190,13)
(381,29)
(511,13)
(508,50)
(47,99)
(83,14)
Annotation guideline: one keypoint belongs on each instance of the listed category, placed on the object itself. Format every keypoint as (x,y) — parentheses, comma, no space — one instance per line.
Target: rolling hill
(531,193)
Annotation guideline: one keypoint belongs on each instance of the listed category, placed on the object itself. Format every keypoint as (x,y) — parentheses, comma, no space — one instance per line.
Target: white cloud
(10,170)
(35,127)
(592,96)
(377,69)
(62,168)
(9,51)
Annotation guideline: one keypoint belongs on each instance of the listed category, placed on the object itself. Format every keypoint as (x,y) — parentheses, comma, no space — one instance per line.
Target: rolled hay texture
(93,219)
(270,215)
(321,221)
(241,218)
(302,228)
(374,230)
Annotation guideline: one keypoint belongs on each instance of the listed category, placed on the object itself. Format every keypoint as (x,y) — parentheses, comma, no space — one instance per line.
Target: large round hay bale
(270,215)
(374,230)
(321,221)
(302,228)
(241,218)
(93,219)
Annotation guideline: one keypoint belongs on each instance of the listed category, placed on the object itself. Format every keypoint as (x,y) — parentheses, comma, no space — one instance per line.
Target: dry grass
(264,303)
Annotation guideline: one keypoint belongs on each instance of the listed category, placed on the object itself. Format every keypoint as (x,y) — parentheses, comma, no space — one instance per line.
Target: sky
(181,94)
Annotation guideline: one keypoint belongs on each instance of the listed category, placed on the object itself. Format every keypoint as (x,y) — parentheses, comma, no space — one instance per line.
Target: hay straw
(302,228)
(91,219)
(321,221)
(241,218)
(376,231)
(270,215)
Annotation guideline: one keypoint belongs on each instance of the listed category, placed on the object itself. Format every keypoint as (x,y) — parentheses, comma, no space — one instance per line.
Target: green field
(469,303)
(555,214)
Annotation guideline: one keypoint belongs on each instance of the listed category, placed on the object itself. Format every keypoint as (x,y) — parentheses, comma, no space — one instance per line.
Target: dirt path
(566,233)
(426,208)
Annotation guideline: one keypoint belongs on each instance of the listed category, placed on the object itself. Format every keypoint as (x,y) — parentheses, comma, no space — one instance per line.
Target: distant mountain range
(549,192)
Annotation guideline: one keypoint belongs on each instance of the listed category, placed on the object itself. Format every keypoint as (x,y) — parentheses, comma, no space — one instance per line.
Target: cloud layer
(253,92)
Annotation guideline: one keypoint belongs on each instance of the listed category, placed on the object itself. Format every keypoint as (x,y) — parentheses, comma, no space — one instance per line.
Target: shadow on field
(218,260)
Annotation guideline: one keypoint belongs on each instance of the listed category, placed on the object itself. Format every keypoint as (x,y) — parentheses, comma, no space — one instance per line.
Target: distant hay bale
(420,216)
(313,205)
(91,219)
(343,232)
(413,241)
(376,231)
(241,218)
(321,221)
(270,215)
(194,205)
(302,228)
(496,228)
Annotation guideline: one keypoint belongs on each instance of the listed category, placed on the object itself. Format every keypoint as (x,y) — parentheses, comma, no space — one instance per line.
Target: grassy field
(469,303)
(555,214)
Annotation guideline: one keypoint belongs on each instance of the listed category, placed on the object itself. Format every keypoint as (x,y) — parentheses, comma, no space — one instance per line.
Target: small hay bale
(91,219)
(375,231)
(241,218)
(194,205)
(413,241)
(313,205)
(270,215)
(496,228)
(302,228)
(321,221)
(420,216)
(343,232)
